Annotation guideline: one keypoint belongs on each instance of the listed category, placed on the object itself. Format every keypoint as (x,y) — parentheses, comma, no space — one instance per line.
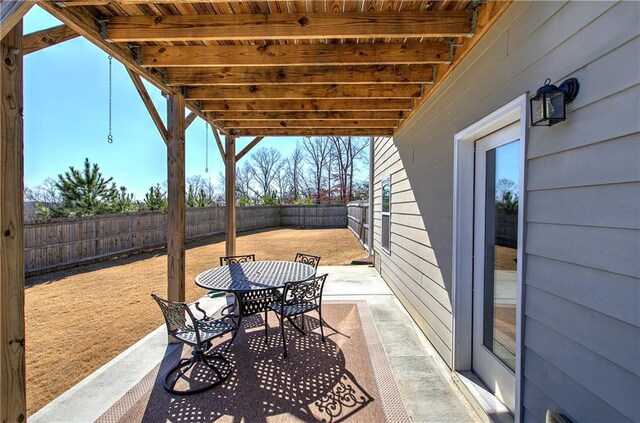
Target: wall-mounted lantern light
(548,106)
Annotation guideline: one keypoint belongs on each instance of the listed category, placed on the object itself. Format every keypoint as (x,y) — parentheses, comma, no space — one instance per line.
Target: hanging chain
(206,148)
(110,136)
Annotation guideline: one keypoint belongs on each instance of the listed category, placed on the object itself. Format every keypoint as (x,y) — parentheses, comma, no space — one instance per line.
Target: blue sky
(66,119)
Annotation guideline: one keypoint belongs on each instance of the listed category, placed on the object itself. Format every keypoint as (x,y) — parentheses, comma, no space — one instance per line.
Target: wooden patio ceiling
(287,67)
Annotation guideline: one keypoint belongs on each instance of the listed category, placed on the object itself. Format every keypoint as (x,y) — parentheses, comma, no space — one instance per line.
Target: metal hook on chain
(110,136)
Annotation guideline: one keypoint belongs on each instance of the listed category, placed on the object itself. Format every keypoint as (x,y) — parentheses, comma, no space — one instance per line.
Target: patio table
(254,276)
(246,281)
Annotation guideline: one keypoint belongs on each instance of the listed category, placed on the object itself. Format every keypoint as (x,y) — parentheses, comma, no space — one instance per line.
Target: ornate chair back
(226,260)
(179,318)
(309,291)
(307,259)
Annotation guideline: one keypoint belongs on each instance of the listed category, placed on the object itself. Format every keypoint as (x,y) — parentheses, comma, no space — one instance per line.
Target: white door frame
(463,207)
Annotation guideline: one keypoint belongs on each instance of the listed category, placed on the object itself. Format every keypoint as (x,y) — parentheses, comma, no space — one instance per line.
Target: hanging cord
(110,136)
(206,148)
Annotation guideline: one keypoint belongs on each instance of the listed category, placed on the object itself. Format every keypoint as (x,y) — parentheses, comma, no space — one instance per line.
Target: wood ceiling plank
(296,55)
(345,123)
(304,91)
(352,74)
(39,40)
(299,132)
(318,115)
(72,3)
(306,105)
(289,26)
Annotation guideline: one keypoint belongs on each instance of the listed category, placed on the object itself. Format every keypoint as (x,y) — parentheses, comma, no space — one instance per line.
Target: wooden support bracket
(146,99)
(248,148)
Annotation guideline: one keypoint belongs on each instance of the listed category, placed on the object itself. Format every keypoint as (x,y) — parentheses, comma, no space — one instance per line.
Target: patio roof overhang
(249,68)
(321,61)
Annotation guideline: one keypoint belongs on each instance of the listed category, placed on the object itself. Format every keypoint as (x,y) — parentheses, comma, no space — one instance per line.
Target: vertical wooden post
(12,366)
(176,197)
(230,194)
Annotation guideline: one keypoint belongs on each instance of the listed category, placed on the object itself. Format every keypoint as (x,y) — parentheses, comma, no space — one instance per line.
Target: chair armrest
(204,313)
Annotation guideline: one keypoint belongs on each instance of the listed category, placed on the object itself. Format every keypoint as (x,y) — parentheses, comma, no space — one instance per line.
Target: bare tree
(294,171)
(45,193)
(347,151)
(201,184)
(266,163)
(244,179)
(282,184)
(318,150)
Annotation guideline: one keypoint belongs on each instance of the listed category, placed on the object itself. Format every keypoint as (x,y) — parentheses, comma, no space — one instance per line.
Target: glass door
(496,272)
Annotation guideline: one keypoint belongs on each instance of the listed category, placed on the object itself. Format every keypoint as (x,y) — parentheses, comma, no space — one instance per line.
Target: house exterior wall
(582,208)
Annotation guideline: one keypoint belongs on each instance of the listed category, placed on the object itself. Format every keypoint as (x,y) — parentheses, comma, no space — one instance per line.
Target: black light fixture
(548,106)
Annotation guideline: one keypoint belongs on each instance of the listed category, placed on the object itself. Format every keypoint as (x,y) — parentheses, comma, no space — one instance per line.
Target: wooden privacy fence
(64,243)
(358,221)
(334,216)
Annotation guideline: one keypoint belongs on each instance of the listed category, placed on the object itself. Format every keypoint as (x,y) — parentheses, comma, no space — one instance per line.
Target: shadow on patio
(374,366)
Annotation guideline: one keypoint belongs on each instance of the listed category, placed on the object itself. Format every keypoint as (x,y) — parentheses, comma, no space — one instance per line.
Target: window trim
(385,213)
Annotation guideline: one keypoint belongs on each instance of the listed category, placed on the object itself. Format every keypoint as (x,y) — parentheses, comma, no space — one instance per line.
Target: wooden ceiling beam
(289,26)
(344,123)
(301,132)
(71,3)
(304,91)
(353,74)
(39,40)
(309,116)
(309,105)
(431,52)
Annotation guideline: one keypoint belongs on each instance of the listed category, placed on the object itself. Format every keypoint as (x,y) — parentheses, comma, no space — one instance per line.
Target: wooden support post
(176,206)
(13,405)
(230,194)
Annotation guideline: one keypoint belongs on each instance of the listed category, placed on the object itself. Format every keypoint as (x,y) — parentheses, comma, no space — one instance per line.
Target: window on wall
(386,213)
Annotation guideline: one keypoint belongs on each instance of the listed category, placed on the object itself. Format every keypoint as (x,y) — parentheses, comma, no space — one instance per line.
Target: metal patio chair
(251,302)
(198,334)
(298,299)
(308,259)
(226,260)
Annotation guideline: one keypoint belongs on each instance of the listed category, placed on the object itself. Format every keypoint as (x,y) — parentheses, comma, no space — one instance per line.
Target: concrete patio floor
(424,380)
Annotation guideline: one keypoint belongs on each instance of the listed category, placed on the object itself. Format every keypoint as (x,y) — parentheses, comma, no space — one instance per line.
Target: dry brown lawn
(79,319)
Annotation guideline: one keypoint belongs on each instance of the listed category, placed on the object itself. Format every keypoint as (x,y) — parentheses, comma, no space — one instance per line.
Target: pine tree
(86,192)
(155,199)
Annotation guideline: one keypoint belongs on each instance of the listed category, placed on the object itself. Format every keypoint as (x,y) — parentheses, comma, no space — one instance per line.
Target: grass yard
(79,319)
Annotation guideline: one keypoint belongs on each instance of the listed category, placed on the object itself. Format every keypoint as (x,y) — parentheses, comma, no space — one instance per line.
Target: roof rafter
(351,74)
(318,115)
(344,123)
(297,132)
(289,26)
(296,55)
(304,91)
(307,105)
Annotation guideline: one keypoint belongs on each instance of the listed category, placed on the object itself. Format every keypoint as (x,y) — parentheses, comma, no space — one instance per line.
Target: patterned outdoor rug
(346,378)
